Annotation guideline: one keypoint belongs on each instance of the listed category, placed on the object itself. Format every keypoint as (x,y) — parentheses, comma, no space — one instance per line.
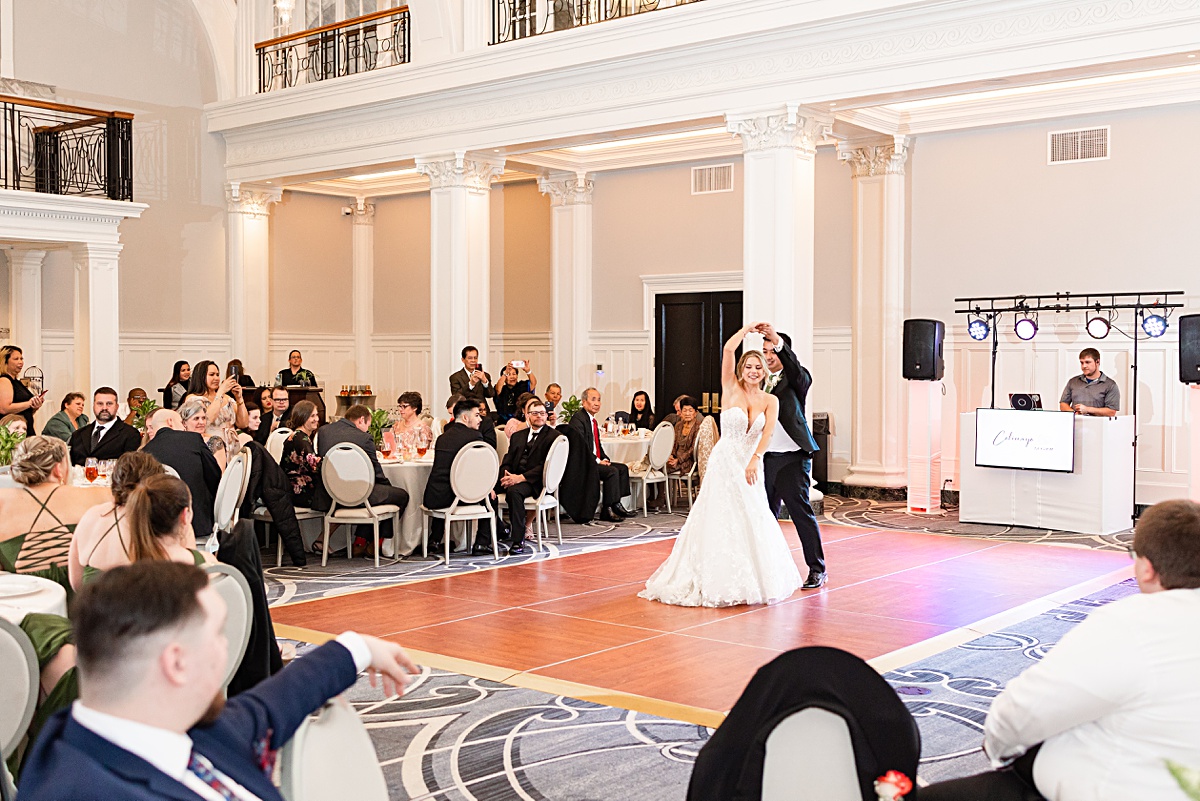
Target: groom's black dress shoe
(816,579)
(609,516)
(622,512)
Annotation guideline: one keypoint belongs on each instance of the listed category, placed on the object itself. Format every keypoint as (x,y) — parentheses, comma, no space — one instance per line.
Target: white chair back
(243,438)
(662,442)
(170,471)
(231,585)
(473,472)
(348,474)
(810,743)
(275,442)
(231,492)
(501,443)
(556,464)
(19,690)
(331,756)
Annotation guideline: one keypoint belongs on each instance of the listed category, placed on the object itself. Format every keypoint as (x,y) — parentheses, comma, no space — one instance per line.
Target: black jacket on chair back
(579,492)
(187,453)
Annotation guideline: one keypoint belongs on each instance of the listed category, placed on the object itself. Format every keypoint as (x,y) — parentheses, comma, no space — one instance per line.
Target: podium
(1095,498)
(314,394)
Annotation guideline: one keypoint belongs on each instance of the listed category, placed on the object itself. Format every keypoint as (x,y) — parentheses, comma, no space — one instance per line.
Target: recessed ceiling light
(1191,55)
(647,140)
(375,176)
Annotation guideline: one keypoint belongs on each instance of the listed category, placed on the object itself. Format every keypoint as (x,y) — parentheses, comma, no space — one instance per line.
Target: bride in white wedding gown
(731,550)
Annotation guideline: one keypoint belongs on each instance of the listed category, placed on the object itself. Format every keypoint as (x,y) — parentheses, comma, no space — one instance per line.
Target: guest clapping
(15,397)
(512,388)
(641,411)
(68,419)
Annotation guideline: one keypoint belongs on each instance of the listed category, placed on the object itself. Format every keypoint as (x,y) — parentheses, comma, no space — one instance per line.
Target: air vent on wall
(707,180)
(1087,144)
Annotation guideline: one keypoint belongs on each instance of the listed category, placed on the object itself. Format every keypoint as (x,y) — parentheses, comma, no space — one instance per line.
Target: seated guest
(226,408)
(613,476)
(193,416)
(152,721)
(1100,714)
(265,403)
(39,515)
(253,419)
(128,410)
(353,429)
(641,411)
(553,398)
(15,397)
(411,428)
(294,375)
(471,381)
(107,436)
(15,423)
(235,370)
(69,418)
(487,426)
(683,453)
(299,460)
(268,486)
(177,387)
(511,389)
(461,431)
(521,471)
(517,421)
(673,417)
(275,414)
(190,456)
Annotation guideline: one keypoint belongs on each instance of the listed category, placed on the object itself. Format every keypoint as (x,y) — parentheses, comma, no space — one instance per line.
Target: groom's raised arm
(797,374)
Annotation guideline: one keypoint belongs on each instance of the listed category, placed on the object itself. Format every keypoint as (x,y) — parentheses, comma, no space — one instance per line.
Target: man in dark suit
(460,432)
(107,436)
(613,477)
(274,417)
(471,382)
(521,471)
(353,429)
(788,463)
(151,721)
(187,453)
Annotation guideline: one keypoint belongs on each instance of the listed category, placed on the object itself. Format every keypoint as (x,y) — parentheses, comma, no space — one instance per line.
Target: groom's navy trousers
(788,476)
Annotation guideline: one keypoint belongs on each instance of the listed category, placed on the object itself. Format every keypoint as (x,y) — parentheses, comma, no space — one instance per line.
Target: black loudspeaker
(923,341)
(1189,349)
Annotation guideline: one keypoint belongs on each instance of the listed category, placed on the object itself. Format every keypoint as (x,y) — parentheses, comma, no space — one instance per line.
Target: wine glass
(91,469)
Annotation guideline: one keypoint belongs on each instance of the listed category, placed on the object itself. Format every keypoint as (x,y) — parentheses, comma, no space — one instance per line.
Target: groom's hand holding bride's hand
(768,332)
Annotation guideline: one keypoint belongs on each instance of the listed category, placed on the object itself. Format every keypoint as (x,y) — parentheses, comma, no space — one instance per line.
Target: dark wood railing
(520,19)
(362,44)
(66,150)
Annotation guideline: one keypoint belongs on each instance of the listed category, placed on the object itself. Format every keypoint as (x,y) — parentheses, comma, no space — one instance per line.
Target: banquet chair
(331,756)
(18,695)
(263,515)
(231,585)
(231,492)
(349,477)
(808,743)
(472,477)
(682,480)
(501,444)
(661,444)
(275,442)
(556,465)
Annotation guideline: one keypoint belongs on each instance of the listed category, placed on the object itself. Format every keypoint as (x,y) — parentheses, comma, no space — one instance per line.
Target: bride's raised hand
(752,469)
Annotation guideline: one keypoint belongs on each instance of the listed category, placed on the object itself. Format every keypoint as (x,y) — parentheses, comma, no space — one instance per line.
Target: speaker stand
(925,447)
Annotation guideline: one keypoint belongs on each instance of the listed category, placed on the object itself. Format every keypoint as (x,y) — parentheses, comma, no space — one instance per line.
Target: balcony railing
(362,44)
(520,19)
(66,150)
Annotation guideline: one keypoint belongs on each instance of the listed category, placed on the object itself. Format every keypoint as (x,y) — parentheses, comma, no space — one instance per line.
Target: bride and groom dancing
(731,550)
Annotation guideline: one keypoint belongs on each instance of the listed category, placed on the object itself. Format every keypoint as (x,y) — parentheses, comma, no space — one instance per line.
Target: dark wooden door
(690,328)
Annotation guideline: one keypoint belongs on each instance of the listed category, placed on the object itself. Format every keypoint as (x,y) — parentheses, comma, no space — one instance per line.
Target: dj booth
(1046,469)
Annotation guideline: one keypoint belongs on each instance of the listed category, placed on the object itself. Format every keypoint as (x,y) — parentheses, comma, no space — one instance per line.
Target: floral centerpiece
(380,421)
(9,440)
(142,412)
(568,409)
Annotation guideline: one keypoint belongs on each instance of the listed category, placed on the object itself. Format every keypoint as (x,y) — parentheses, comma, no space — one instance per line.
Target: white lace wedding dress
(731,550)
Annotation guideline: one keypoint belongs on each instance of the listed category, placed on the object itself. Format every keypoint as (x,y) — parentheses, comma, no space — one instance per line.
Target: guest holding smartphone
(512,388)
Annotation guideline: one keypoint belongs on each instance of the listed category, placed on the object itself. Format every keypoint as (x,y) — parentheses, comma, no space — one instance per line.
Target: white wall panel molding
(654,285)
(683,64)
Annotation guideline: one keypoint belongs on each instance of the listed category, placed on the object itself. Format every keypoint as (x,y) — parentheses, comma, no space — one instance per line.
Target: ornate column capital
(253,200)
(459,170)
(364,212)
(26,260)
(567,189)
(788,127)
(877,159)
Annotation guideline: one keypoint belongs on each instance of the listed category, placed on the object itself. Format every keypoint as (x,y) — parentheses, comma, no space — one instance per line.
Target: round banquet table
(625,449)
(20,595)
(411,477)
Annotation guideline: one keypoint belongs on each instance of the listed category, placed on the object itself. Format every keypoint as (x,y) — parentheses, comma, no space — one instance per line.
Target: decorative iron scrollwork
(520,19)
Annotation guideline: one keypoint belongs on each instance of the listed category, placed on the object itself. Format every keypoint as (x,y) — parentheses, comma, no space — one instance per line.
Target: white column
(570,276)
(878,432)
(248,255)
(25,295)
(245,67)
(97,317)
(779,147)
(363,289)
(459,259)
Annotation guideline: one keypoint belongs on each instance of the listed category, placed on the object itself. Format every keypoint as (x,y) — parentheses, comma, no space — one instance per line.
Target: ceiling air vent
(707,180)
(1087,144)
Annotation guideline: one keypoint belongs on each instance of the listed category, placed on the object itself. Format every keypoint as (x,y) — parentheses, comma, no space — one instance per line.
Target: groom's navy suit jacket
(72,763)
(792,392)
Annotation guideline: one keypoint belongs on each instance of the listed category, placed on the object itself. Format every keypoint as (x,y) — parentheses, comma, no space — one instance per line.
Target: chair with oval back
(349,477)
(18,694)
(556,465)
(501,443)
(231,585)
(275,442)
(472,477)
(235,481)
(662,442)
(331,756)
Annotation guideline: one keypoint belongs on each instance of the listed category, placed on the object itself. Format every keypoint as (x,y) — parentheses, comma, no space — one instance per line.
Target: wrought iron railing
(66,150)
(362,44)
(520,19)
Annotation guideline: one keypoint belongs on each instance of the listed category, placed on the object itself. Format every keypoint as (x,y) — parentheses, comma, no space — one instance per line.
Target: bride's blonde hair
(741,363)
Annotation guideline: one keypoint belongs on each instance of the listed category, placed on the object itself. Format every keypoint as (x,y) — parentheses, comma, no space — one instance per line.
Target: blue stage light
(979,329)
(1155,325)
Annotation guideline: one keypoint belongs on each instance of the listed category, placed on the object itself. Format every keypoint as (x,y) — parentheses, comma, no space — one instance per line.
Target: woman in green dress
(69,418)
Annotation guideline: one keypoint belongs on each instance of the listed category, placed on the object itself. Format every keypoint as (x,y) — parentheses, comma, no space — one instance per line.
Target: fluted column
(363,289)
(248,254)
(878,419)
(779,149)
(97,316)
(25,296)
(459,259)
(570,275)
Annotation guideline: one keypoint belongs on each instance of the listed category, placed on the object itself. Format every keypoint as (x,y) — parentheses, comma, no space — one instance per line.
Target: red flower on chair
(893,786)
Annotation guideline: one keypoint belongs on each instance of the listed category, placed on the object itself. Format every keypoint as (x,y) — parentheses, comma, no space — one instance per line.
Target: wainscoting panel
(627,362)
(330,356)
(534,346)
(58,371)
(148,357)
(402,365)
(832,392)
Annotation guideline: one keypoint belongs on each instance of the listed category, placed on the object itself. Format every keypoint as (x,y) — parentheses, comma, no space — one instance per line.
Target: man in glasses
(521,471)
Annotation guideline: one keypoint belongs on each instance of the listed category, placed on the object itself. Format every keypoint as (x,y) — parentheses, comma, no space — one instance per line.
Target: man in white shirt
(151,721)
(1099,716)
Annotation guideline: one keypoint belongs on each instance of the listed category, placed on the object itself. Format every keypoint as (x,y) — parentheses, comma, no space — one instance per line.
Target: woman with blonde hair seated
(194,414)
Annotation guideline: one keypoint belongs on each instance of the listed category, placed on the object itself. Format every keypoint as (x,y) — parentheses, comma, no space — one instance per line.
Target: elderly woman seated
(412,428)
(683,452)
(194,414)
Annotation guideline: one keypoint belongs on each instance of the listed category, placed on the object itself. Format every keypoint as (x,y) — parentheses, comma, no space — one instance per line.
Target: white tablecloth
(625,449)
(411,477)
(20,595)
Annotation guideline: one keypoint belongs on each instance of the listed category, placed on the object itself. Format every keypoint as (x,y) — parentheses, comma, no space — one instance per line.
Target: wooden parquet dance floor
(578,619)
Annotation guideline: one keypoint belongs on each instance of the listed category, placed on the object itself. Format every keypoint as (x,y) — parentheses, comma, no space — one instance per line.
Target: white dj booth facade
(1095,497)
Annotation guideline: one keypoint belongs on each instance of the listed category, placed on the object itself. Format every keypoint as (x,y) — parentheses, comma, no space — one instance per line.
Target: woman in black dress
(177,387)
(15,397)
(299,459)
(641,412)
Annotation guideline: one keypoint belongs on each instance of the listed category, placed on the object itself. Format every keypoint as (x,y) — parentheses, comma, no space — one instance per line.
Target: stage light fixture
(1098,327)
(1025,327)
(979,329)
(1155,325)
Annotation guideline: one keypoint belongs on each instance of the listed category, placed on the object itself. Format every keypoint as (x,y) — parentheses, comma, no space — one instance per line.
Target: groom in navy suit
(788,463)
(151,721)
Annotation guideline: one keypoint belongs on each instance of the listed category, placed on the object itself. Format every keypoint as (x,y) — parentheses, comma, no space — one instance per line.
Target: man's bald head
(163,418)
